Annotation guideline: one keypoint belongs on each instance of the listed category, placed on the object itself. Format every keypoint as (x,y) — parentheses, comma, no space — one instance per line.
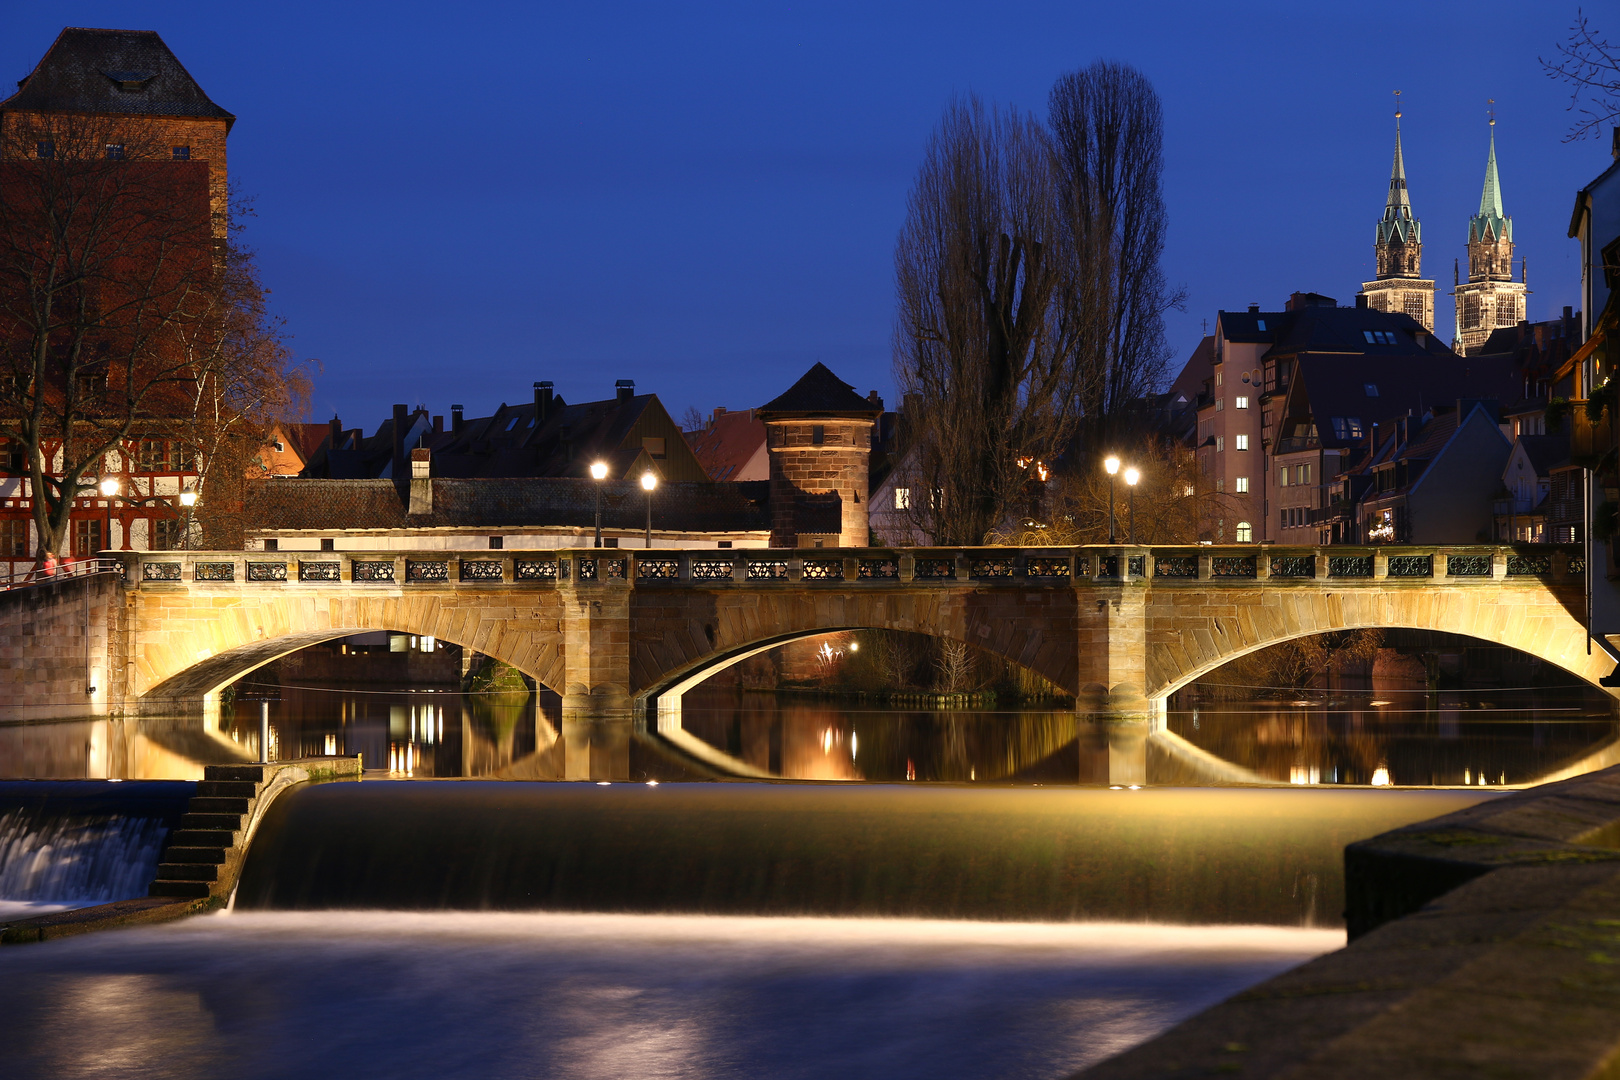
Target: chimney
(624,389)
(1254,309)
(1361,300)
(399,441)
(543,396)
(421,481)
(438,425)
(876,400)
(337,432)
(455,419)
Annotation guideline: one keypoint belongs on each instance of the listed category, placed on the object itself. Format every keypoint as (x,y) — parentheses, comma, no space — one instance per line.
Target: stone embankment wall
(54,639)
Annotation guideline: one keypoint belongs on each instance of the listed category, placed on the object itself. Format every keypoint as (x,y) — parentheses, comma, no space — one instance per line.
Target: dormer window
(1260,325)
(1379,337)
(130,80)
(1371,388)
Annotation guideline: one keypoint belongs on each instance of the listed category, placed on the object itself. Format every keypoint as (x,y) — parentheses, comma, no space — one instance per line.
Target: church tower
(1491,298)
(1399,247)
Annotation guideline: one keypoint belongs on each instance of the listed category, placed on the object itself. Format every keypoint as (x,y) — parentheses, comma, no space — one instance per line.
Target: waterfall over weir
(1039,854)
(69,843)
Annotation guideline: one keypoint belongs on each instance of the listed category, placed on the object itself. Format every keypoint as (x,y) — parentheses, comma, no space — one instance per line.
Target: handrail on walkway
(71,568)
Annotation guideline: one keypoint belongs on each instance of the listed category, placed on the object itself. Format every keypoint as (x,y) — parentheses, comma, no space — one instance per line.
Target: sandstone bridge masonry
(621,635)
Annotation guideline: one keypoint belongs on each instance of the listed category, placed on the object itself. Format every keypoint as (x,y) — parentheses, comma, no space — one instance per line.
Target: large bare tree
(1108,129)
(109,281)
(982,352)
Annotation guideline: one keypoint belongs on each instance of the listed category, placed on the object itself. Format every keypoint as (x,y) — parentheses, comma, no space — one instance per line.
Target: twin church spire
(1489,299)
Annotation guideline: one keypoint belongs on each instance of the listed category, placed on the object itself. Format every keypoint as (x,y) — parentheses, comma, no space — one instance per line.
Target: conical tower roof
(1490,224)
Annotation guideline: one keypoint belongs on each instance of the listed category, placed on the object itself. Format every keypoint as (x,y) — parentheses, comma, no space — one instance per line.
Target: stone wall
(54,638)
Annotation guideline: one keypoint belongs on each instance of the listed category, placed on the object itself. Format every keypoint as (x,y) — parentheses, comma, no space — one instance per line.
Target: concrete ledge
(141,909)
(1486,943)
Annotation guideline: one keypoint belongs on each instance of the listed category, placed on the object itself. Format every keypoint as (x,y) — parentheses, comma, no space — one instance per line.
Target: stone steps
(213,825)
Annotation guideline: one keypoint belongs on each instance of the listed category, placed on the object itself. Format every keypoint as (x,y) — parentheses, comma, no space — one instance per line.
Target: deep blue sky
(455,200)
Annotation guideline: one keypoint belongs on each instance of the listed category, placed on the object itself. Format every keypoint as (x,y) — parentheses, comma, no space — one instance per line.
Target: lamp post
(598,473)
(109,490)
(188,499)
(1112,465)
(1132,475)
(648,482)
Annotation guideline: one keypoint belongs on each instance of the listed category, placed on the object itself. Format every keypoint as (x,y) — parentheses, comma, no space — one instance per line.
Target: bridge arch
(180,662)
(681,639)
(1530,617)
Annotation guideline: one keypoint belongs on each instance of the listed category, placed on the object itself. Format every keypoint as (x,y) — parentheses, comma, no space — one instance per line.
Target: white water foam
(577,997)
(66,862)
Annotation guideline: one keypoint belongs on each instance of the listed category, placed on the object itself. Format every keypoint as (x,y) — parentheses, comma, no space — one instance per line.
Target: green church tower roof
(1490,224)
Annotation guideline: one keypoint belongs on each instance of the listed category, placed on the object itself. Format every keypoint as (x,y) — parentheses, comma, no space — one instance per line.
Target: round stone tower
(819,438)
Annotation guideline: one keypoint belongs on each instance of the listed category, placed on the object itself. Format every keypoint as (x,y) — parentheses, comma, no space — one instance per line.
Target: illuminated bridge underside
(615,632)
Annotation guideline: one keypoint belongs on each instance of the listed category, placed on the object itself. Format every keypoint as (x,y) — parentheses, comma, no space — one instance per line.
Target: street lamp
(648,482)
(109,489)
(1112,465)
(599,473)
(1132,475)
(188,499)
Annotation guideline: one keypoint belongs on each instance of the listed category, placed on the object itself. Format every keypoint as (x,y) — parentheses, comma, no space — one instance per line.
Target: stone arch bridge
(617,632)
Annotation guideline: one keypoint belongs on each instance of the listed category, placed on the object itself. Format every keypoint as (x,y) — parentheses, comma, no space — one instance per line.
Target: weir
(938,852)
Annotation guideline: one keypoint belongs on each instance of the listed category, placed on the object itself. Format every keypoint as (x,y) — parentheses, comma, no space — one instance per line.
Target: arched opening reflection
(1397,707)
(878,706)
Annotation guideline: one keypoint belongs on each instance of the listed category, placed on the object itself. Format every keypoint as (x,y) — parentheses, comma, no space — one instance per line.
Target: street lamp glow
(649,481)
(1112,465)
(109,487)
(1132,476)
(188,498)
(599,470)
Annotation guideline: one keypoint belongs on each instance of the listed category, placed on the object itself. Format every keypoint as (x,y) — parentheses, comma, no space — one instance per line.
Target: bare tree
(1108,128)
(693,419)
(109,280)
(247,383)
(982,354)
(1590,65)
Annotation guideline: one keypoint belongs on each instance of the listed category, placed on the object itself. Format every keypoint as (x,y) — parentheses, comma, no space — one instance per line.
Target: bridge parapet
(870,568)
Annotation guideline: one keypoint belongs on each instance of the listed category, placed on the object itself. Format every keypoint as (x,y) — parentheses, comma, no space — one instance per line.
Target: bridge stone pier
(621,634)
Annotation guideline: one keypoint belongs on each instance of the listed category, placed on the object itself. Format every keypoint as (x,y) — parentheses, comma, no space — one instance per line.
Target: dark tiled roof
(1325,329)
(112,72)
(525,502)
(1336,385)
(1250,326)
(1545,451)
(820,391)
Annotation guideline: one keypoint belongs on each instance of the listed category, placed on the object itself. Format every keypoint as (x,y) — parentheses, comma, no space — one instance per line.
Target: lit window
(1245,532)
(1282,477)
(182,153)
(1220,444)
(1304,474)
(902,498)
(1217,378)
(1220,404)
(1241,485)
(1220,483)
(115,151)
(1241,442)
(1242,402)
(1189,491)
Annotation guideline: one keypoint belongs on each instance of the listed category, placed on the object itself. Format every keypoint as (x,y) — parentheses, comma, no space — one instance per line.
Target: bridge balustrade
(1168,566)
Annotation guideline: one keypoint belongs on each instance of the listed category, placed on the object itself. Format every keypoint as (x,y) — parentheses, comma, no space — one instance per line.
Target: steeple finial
(1490,200)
